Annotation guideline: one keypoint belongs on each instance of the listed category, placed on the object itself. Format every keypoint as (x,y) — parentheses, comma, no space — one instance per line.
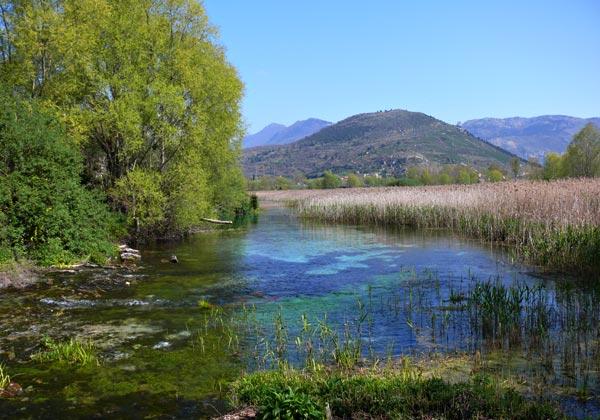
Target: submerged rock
(161,345)
(12,390)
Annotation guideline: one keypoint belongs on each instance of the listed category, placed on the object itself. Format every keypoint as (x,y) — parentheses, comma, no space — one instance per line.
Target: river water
(171,337)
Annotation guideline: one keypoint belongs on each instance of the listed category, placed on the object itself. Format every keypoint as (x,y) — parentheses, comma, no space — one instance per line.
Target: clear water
(163,354)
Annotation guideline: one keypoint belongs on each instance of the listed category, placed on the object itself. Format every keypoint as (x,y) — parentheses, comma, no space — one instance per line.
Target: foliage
(289,404)
(330,180)
(401,393)
(4,377)
(72,351)
(494,175)
(45,212)
(553,167)
(582,158)
(515,166)
(145,89)
(354,181)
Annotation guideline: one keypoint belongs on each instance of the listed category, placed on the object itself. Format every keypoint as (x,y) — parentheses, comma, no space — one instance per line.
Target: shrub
(45,212)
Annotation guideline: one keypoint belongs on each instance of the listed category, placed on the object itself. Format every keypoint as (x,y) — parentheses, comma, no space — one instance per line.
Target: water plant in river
(554,224)
(377,393)
(4,377)
(73,351)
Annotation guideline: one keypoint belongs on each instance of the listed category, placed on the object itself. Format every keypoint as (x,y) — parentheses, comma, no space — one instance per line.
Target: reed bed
(553,224)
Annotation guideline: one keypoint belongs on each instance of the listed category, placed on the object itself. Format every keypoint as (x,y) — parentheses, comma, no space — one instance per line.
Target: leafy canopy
(145,89)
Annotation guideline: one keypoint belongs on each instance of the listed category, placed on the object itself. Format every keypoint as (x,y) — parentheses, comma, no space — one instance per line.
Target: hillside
(381,142)
(274,134)
(529,136)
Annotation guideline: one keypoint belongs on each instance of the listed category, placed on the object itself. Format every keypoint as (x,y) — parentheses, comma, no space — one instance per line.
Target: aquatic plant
(72,351)
(204,304)
(554,224)
(4,377)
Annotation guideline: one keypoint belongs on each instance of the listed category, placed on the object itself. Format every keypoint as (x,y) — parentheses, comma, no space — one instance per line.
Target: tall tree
(583,154)
(144,87)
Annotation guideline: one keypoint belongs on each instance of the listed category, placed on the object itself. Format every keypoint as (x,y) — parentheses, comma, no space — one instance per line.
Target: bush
(45,212)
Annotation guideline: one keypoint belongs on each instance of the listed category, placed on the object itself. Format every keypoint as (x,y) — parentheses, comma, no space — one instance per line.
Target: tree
(553,167)
(494,175)
(354,181)
(330,180)
(515,166)
(426,177)
(143,87)
(582,158)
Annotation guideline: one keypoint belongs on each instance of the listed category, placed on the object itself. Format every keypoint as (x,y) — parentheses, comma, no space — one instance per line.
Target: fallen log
(218,222)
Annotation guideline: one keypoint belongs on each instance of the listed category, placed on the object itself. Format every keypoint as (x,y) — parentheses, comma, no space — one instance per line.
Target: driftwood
(218,222)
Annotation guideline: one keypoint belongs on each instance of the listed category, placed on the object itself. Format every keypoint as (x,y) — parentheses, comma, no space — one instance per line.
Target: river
(171,337)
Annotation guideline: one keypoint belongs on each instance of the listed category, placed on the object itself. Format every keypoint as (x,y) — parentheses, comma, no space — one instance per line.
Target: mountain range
(385,142)
(274,134)
(529,137)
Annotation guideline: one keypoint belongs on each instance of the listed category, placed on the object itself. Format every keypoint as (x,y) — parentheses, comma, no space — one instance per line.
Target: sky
(454,60)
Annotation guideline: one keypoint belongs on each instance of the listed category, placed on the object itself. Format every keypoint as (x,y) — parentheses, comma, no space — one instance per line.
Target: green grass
(73,351)
(395,393)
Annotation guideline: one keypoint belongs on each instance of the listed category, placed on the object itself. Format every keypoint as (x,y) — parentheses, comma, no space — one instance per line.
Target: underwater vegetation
(72,351)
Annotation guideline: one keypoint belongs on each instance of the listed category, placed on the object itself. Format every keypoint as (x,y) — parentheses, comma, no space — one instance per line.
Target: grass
(4,377)
(381,393)
(553,224)
(73,351)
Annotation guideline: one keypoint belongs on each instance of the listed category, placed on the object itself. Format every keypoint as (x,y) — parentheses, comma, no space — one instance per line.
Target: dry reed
(555,224)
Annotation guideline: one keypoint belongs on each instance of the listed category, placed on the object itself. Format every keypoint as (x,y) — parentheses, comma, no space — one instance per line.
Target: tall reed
(553,224)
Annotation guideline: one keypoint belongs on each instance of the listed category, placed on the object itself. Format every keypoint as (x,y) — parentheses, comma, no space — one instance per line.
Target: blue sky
(455,60)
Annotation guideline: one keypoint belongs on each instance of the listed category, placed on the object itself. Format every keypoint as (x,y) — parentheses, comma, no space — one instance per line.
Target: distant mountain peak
(274,133)
(529,136)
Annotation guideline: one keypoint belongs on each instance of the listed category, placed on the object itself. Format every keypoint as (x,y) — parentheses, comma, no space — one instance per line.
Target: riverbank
(401,391)
(18,275)
(555,225)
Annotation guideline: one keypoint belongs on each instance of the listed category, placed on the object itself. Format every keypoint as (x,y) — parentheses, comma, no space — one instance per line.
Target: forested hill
(528,137)
(380,142)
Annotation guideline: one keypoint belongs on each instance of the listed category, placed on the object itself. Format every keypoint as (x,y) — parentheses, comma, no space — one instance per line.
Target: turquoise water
(390,291)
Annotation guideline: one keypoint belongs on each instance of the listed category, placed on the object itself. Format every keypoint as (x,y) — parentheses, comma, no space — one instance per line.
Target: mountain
(280,134)
(381,142)
(263,136)
(529,136)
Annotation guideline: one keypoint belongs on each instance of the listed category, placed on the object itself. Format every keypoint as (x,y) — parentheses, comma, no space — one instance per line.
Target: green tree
(494,175)
(445,178)
(330,180)
(45,213)
(426,178)
(553,167)
(515,166)
(143,86)
(354,181)
(582,158)
(467,176)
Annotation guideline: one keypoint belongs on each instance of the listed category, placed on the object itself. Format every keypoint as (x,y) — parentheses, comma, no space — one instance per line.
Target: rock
(174,259)
(128,254)
(245,413)
(12,390)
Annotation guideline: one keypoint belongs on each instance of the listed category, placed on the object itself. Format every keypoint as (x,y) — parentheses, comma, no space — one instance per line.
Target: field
(552,224)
